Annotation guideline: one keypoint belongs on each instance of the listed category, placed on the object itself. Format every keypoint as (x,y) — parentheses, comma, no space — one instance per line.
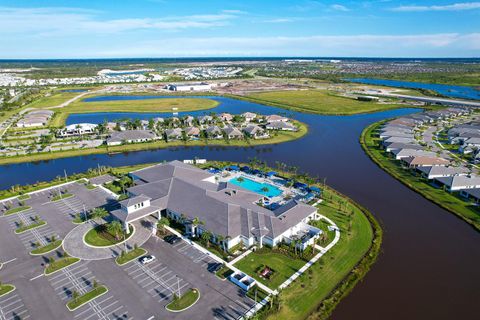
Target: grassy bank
(280,137)
(317,101)
(147,105)
(451,202)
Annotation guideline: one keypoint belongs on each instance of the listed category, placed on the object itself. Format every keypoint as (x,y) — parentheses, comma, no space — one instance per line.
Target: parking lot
(13,308)
(135,290)
(79,278)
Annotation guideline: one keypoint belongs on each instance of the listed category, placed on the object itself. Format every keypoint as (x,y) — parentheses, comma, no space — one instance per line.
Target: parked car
(172,239)
(147,259)
(215,267)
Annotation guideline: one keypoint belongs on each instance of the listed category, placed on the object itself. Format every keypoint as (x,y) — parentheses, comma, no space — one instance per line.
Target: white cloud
(449,7)
(280,20)
(339,7)
(428,45)
(71,21)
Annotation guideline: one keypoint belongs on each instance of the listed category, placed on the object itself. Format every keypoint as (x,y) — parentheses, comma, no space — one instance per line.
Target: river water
(459,92)
(429,264)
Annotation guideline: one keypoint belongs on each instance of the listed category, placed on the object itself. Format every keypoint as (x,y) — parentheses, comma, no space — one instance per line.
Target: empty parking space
(70,206)
(80,279)
(197,256)
(13,308)
(157,279)
(41,235)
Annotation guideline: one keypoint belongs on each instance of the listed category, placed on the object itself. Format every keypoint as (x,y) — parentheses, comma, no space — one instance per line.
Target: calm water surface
(461,92)
(429,266)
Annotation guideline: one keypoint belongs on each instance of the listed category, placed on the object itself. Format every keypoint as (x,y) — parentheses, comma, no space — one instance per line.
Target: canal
(428,268)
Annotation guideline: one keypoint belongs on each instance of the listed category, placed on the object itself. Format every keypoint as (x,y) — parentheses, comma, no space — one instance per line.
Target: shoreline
(367,133)
(281,137)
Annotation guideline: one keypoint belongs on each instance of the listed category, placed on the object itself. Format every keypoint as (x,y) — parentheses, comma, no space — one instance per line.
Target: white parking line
(40,275)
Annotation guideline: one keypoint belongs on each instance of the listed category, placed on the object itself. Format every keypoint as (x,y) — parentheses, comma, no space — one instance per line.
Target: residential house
(130,136)
(249,116)
(415,162)
(432,172)
(279,125)
(233,133)
(457,183)
(173,134)
(255,131)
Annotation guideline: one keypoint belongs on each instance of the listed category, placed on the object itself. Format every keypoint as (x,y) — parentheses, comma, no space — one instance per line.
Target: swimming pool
(268,189)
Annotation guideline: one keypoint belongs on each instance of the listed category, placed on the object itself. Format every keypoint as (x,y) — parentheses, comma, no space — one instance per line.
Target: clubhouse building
(196,199)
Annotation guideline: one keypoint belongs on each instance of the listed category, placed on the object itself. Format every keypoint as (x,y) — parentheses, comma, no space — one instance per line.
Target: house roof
(460,181)
(425,161)
(441,170)
(134,200)
(225,208)
(127,135)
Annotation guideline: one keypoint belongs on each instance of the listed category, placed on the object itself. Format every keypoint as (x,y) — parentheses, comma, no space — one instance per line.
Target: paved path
(74,245)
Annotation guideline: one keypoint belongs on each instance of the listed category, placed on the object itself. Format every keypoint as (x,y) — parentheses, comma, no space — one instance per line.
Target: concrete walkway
(74,245)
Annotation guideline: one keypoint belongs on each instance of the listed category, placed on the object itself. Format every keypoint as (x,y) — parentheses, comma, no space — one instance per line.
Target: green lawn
(5,289)
(331,278)
(284,266)
(446,200)
(47,248)
(60,264)
(185,301)
(318,101)
(130,256)
(101,237)
(24,197)
(147,105)
(34,225)
(74,304)
(62,196)
(16,210)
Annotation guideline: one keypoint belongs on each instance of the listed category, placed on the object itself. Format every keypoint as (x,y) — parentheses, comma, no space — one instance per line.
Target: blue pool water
(254,186)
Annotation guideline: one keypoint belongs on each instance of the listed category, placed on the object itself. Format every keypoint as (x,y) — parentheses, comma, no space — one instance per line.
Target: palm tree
(264,189)
(162,223)
(75,295)
(116,228)
(220,240)
(99,213)
(240,179)
(206,236)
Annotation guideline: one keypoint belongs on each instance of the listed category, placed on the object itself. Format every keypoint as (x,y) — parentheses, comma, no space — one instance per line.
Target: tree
(95,284)
(99,213)
(75,295)
(206,237)
(53,238)
(220,240)
(162,223)
(115,227)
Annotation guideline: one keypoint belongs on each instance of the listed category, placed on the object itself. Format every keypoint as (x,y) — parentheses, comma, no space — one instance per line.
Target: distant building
(77,129)
(199,86)
(35,118)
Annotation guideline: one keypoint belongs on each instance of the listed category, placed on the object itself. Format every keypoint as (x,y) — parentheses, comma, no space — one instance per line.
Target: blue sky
(164,28)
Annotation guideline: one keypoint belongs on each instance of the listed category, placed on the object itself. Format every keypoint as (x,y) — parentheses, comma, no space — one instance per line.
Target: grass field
(318,101)
(60,264)
(34,225)
(282,136)
(5,289)
(130,256)
(303,297)
(448,201)
(283,266)
(53,100)
(46,248)
(16,210)
(76,303)
(147,105)
(185,301)
(101,237)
